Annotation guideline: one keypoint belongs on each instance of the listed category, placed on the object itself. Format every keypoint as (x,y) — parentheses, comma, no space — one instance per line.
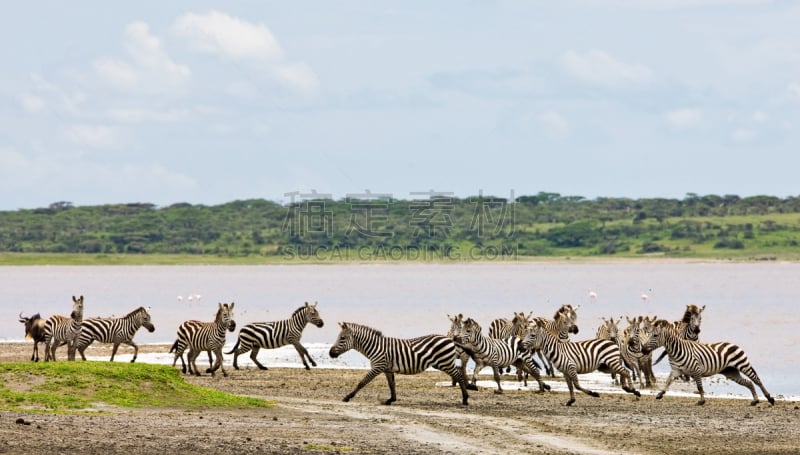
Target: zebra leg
(135,350)
(218,365)
(529,366)
(191,359)
(572,372)
(626,381)
(672,375)
(390,380)
(253,355)
(371,374)
(114,351)
(303,354)
(751,373)
(734,375)
(459,376)
(496,375)
(479,364)
(699,381)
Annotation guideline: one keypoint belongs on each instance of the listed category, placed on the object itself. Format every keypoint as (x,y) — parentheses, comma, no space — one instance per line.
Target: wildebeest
(34,330)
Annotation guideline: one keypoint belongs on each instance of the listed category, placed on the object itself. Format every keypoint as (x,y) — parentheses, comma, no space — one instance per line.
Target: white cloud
(95,136)
(554,124)
(138,115)
(684,118)
(760,117)
(149,69)
(32,103)
(744,135)
(226,36)
(794,89)
(599,68)
(298,76)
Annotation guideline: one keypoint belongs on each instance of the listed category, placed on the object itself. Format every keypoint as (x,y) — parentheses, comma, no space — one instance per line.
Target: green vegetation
(89,386)
(435,228)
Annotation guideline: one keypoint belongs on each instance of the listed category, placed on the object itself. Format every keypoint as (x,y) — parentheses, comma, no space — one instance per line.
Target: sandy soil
(309,417)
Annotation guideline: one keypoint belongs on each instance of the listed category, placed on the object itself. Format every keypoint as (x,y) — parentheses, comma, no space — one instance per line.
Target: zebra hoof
(388,402)
(262,367)
(347,398)
(546,387)
(754,402)
(569,402)
(594,394)
(308,367)
(771,401)
(236,367)
(472,387)
(659,395)
(701,402)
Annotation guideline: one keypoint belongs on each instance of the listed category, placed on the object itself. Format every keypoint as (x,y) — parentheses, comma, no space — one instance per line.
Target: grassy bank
(93,386)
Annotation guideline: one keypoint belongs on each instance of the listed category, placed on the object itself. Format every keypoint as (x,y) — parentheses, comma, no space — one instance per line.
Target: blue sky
(209,102)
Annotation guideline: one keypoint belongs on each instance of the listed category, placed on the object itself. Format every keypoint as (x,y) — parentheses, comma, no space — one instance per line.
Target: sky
(210,102)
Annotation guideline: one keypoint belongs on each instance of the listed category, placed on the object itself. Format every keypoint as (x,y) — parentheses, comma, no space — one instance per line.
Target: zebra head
(77,308)
(692,317)
(652,334)
(344,341)
(312,315)
(570,316)
(520,321)
(471,332)
(609,330)
(225,316)
(634,335)
(456,326)
(145,319)
(532,336)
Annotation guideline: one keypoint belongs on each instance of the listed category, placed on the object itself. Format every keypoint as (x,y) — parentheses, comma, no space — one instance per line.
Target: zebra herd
(626,354)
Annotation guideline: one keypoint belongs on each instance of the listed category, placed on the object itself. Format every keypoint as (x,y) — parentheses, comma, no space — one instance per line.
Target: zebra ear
(232,304)
(343,325)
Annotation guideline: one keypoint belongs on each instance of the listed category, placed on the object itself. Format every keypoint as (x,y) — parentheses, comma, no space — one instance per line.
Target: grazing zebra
(397,355)
(60,330)
(553,325)
(498,353)
(699,360)
(573,358)
(271,335)
(114,330)
(204,336)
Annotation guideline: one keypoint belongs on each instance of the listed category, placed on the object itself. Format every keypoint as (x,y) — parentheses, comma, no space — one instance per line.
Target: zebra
(573,358)
(115,330)
(688,326)
(60,330)
(463,354)
(504,328)
(552,325)
(699,360)
(498,353)
(204,336)
(271,335)
(397,355)
(628,342)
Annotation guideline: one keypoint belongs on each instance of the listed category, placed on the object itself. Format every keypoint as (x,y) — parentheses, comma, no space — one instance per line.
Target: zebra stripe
(463,355)
(573,358)
(504,328)
(498,354)
(397,355)
(271,335)
(563,323)
(60,330)
(699,360)
(204,336)
(114,330)
(628,342)
(688,326)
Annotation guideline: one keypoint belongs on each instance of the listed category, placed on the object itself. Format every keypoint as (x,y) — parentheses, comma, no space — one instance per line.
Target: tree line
(544,224)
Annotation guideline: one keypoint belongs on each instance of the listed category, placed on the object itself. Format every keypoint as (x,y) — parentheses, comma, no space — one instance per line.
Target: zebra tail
(660,358)
(235,347)
(174,347)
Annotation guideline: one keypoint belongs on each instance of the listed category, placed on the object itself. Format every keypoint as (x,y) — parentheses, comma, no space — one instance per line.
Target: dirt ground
(310,417)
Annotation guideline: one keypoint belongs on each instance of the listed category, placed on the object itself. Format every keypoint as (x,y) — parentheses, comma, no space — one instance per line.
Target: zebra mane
(297,311)
(138,310)
(558,312)
(362,328)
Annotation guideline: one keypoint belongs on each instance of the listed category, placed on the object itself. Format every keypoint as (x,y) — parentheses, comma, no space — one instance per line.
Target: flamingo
(592,296)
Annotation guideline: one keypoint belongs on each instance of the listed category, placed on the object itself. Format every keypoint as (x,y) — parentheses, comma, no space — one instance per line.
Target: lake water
(751,304)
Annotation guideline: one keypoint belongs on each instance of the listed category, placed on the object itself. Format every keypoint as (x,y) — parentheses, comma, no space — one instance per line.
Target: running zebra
(688,326)
(60,330)
(204,336)
(699,360)
(115,330)
(271,335)
(573,358)
(397,355)
(498,354)
(629,344)
(554,326)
